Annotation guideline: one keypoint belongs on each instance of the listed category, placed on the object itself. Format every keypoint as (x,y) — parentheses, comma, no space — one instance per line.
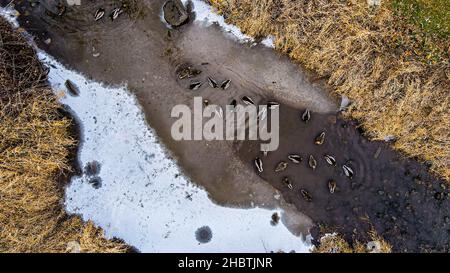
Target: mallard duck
(281,167)
(332,186)
(330,160)
(319,140)
(295,158)
(306,195)
(312,162)
(247,100)
(212,82)
(225,84)
(259,164)
(306,116)
(99,14)
(115,13)
(288,183)
(348,171)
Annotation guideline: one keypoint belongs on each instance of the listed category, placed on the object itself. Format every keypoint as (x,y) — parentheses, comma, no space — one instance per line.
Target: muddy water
(402,201)
(397,196)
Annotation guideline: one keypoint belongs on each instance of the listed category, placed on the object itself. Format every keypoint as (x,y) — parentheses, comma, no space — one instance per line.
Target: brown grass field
(391,61)
(35,150)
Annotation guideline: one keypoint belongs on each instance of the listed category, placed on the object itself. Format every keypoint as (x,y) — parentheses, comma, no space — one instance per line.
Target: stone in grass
(175,13)
(203,235)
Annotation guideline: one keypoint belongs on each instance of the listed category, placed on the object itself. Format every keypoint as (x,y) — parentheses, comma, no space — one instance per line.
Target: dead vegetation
(396,74)
(334,243)
(35,147)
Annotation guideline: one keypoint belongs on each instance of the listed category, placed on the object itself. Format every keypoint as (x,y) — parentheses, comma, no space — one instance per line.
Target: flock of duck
(312,163)
(189,72)
(98,15)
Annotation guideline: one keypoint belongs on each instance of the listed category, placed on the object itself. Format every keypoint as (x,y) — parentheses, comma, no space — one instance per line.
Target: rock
(73,247)
(374,247)
(374,3)
(345,102)
(175,13)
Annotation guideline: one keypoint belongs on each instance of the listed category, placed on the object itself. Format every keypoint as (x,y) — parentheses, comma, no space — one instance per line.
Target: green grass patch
(431,16)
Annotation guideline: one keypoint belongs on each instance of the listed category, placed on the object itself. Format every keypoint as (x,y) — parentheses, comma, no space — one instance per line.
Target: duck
(99,14)
(115,13)
(195,85)
(320,139)
(348,171)
(312,162)
(272,105)
(212,82)
(259,164)
(247,100)
(288,183)
(281,166)
(332,186)
(297,159)
(225,84)
(306,195)
(330,160)
(306,116)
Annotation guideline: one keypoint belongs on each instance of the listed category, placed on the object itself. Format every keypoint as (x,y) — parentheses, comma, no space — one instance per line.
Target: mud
(398,197)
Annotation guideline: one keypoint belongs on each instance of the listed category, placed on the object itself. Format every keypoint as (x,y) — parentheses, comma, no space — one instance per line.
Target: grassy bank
(35,147)
(391,61)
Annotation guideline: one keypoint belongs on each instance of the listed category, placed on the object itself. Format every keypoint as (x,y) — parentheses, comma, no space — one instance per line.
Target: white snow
(144,199)
(205,15)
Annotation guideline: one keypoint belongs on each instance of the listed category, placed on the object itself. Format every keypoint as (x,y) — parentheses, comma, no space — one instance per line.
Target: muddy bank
(398,196)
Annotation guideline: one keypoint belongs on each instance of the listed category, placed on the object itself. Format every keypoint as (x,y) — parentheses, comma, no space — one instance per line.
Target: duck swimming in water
(330,160)
(195,85)
(281,167)
(225,84)
(212,82)
(115,13)
(288,183)
(295,159)
(306,116)
(259,164)
(348,171)
(99,14)
(320,139)
(312,162)
(306,195)
(332,186)
(247,100)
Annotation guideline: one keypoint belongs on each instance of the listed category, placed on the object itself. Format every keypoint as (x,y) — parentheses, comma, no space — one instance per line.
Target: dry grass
(334,243)
(397,78)
(35,147)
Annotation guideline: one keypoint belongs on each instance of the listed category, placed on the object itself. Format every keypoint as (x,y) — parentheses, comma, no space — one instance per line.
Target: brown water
(403,202)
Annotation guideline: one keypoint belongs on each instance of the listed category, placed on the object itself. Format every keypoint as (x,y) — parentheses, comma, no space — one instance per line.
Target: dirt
(398,197)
